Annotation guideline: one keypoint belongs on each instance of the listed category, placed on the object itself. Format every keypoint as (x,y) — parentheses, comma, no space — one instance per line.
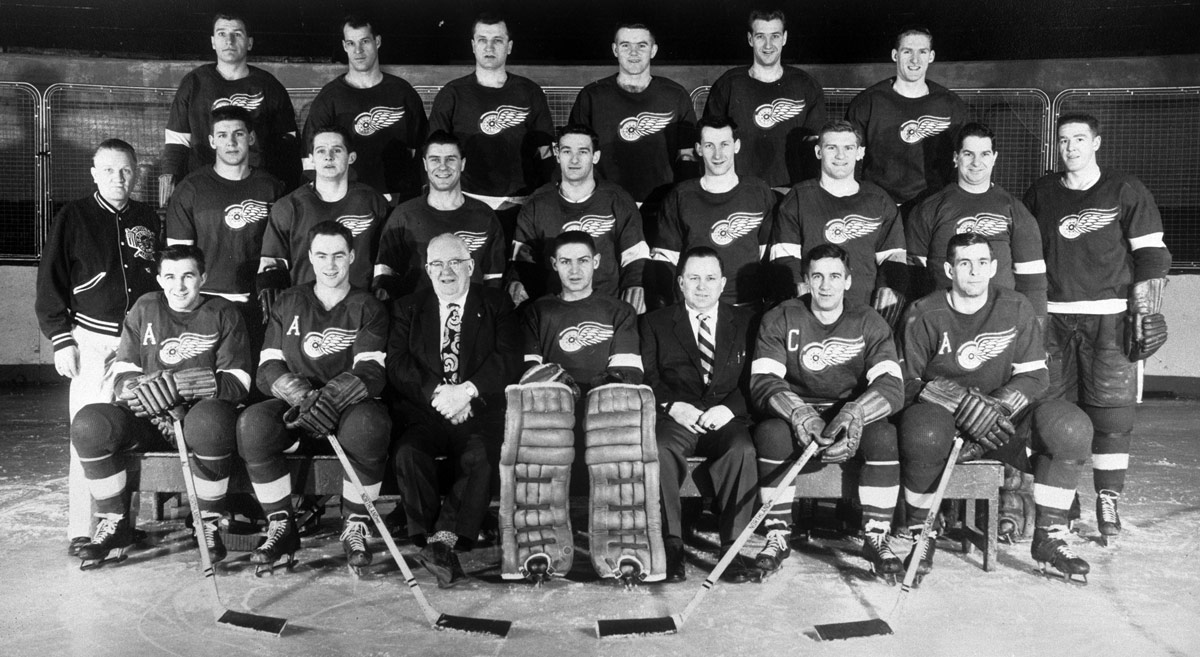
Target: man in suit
(695,358)
(452,350)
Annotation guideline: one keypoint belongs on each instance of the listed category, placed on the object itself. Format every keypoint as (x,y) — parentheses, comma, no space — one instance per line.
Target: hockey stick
(437,620)
(237,619)
(878,626)
(672,624)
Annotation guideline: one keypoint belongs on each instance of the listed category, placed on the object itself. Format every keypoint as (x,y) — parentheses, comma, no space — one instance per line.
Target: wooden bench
(974,482)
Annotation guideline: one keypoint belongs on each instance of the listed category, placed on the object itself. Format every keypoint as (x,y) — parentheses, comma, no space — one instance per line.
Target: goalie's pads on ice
(535,474)
(622,458)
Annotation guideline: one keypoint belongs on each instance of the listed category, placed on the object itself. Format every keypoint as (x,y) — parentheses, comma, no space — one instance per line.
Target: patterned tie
(704,340)
(450,343)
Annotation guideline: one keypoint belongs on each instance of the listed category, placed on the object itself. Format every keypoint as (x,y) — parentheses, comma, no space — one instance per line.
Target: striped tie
(704,340)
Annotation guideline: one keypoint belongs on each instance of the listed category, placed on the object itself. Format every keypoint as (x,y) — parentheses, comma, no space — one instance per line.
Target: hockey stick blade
(243,621)
(636,626)
(494,627)
(852,629)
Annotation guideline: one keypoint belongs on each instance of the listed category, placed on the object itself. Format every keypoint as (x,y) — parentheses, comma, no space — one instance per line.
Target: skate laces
(210,529)
(1108,506)
(106,526)
(1056,538)
(879,543)
(777,542)
(355,533)
(276,529)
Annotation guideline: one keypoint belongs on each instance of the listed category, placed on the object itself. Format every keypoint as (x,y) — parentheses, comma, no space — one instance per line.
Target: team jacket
(1097,241)
(909,140)
(190,121)
(999,345)
(362,210)
(95,264)
(867,225)
(774,119)
(306,339)
(609,215)
(641,133)
(736,223)
(400,265)
(997,215)
(212,336)
(226,219)
(501,131)
(589,338)
(384,122)
(824,364)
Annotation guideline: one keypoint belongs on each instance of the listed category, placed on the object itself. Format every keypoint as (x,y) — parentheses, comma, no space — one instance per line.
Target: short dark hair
(823,251)
(633,26)
(357,21)
(491,18)
(579,129)
(963,240)
(232,113)
(839,125)
(911,30)
(766,15)
(227,15)
(336,129)
(114,144)
(1092,122)
(974,129)
(330,228)
(182,252)
(716,122)
(572,237)
(443,138)
(700,252)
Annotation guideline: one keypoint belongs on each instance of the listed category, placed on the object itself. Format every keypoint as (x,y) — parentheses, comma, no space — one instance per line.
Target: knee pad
(926,432)
(1117,419)
(260,432)
(98,429)
(209,428)
(1063,429)
(879,442)
(622,458)
(535,475)
(773,440)
(365,429)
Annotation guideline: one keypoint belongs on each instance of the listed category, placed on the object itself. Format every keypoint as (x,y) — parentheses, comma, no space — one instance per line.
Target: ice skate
(439,559)
(110,542)
(630,572)
(878,553)
(537,569)
(924,545)
(212,536)
(1050,549)
(280,546)
(776,551)
(77,543)
(354,543)
(1108,521)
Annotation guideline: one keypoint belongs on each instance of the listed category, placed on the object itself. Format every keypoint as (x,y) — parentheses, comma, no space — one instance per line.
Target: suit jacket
(672,359)
(490,352)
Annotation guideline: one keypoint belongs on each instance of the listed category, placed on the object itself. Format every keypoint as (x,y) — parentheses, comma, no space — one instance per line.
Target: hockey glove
(309,416)
(291,388)
(196,383)
(1146,327)
(157,392)
(550,372)
(944,393)
(889,304)
(982,419)
(847,426)
(339,393)
(270,283)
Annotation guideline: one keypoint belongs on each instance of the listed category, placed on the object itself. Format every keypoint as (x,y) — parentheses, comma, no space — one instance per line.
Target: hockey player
(695,358)
(827,371)
(908,124)
(183,352)
(721,210)
(778,108)
(504,123)
(230,81)
(974,365)
(383,114)
(86,282)
(856,216)
(445,209)
(323,365)
(223,209)
(581,203)
(1106,266)
(646,123)
(451,351)
(331,197)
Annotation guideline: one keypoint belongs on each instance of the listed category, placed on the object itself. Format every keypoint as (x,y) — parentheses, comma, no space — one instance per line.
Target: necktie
(450,344)
(704,340)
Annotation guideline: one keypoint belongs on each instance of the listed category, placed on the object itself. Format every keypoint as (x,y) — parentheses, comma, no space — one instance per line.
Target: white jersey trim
(768,366)
(1031,267)
(178,138)
(625,360)
(1031,366)
(373,356)
(1150,241)
(895,255)
(786,250)
(1099,307)
(242,376)
(1052,496)
(665,255)
(884,367)
(634,253)
(269,354)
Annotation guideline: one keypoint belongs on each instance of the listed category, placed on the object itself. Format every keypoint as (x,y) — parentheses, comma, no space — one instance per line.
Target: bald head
(449,265)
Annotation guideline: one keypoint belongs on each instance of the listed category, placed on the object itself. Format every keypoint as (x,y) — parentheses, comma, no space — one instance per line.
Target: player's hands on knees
(516,290)
(66,361)
(636,297)
(715,418)
(311,415)
(978,416)
(687,416)
(157,392)
(845,430)
(807,427)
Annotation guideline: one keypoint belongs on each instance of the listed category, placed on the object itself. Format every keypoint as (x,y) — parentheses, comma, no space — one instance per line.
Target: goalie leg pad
(535,476)
(625,523)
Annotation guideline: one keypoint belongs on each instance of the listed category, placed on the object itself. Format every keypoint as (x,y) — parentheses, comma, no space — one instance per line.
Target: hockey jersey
(588,338)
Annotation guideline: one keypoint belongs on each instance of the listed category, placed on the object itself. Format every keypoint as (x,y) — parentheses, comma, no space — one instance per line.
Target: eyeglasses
(438,265)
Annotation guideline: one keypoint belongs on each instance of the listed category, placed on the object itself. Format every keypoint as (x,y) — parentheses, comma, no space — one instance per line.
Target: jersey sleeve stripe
(521,252)
(625,360)
(1031,267)
(1149,241)
(492,277)
(270,354)
(373,356)
(665,255)
(178,138)
(920,261)
(533,358)
(884,367)
(768,366)
(634,253)
(1031,366)
(242,376)
(1097,307)
(786,250)
(895,255)
(108,328)
(121,367)
(384,270)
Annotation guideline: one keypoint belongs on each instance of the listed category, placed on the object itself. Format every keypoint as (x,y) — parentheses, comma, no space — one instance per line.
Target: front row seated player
(826,371)
(322,364)
(580,337)
(178,349)
(975,366)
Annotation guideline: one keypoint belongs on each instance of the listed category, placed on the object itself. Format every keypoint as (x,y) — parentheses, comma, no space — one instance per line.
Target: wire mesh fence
(20,220)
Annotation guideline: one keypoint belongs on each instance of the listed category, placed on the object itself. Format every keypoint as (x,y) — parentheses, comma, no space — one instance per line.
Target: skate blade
(1049,572)
(93,564)
(891,578)
(287,560)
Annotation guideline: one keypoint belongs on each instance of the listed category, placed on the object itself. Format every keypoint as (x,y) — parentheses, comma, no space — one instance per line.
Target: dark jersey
(212,336)
(1097,241)
(995,214)
(226,219)
(95,264)
(362,210)
(823,363)
(609,215)
(867,225)
(909,141)
(405,240)
(998,345)
(776,122)
(501,131)
(736,223)
(386,123)
(190,121)
(641,133)
(587,338)
(318,344)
